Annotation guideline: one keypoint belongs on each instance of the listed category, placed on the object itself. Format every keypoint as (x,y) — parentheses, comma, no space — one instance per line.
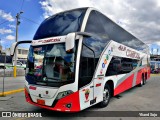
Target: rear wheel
(143,81)
(106,96)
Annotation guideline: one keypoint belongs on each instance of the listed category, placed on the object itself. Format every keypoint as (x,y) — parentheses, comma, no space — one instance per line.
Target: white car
(19,65)
(2,66)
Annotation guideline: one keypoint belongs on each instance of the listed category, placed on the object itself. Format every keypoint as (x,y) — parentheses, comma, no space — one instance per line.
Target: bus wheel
(106,96)
(143,81)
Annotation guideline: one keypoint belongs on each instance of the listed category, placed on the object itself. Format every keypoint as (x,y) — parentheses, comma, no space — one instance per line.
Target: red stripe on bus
(139,77)
(126,84)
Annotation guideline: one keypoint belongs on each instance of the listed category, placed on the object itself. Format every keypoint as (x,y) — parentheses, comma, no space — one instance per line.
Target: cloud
(141,18)
(5,31)
(157,43)
(6,16)
(10,37)
(11,26)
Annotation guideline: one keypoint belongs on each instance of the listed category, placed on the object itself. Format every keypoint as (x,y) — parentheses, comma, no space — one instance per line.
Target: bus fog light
(69,105)
(63,94)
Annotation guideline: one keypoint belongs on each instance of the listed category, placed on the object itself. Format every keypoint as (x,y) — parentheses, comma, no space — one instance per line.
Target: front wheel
(106,96)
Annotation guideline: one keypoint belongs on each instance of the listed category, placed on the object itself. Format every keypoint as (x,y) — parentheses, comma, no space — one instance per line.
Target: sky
(139,17)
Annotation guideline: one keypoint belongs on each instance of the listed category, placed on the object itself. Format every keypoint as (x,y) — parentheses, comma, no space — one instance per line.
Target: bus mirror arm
(15,44)
(71,37)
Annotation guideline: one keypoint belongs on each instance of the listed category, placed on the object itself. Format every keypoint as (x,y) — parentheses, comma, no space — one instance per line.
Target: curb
(153,75)
(12,91)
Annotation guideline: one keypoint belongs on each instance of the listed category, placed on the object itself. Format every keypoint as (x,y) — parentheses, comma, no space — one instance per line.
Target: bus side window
(140,64)
(113,67)
(119,65)
(86,67)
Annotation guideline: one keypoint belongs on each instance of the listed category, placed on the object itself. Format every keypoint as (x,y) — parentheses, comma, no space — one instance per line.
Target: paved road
(146,98)
(11,83)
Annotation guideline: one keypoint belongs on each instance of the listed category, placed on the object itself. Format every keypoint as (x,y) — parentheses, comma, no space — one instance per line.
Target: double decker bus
(79,58)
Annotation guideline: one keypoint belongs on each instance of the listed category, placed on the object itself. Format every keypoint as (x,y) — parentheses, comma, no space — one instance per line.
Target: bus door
(86,96)
(85,82)
(98,89)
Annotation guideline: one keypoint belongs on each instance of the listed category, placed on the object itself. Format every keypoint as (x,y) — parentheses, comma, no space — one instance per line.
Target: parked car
(2,66)
(155,71)
(9,65)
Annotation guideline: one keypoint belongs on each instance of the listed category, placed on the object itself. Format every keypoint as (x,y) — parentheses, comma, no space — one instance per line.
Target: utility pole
(0,47)
(15,57)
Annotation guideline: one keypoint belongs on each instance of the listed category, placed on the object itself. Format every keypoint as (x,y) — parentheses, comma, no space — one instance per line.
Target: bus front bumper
(69,103)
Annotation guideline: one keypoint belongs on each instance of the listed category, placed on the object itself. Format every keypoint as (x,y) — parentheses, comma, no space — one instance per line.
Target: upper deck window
(106,30)
(61,24)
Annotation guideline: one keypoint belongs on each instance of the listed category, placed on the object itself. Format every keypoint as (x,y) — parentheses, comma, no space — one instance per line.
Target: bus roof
(71,21)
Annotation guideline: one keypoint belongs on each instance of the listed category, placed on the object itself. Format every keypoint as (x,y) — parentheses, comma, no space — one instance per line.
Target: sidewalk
(11,83)
(9,72)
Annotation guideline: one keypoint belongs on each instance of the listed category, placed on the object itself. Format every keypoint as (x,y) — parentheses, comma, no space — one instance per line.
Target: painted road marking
(12,91)
(155,75)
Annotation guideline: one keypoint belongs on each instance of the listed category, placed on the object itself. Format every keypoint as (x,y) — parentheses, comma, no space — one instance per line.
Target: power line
(3,22)
(22,5)
(20,10)
(30,20)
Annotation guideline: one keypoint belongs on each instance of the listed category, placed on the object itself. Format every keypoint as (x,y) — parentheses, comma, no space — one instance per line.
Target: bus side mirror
(70,42)
(13,47)
(15,44)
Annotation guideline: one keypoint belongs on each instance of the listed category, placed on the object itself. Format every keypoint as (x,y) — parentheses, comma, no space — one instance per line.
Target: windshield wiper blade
(58,81)
(53,78)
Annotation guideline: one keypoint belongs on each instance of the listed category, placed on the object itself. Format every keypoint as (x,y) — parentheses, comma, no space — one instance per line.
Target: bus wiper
(47,78)
(54,78)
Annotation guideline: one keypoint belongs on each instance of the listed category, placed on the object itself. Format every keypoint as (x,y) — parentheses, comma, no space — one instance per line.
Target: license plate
(41,102)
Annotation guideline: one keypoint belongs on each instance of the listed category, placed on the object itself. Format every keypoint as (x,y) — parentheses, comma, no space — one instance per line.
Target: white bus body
(96,71)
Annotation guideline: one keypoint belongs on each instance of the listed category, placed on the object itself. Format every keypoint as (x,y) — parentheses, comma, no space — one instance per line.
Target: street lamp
(15,57)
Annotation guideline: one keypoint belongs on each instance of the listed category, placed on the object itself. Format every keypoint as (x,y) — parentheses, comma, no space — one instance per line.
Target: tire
(106,96)
(143,81)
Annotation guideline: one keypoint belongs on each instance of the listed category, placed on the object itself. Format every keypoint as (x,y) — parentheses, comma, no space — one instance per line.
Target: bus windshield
(61,24)
(51,63)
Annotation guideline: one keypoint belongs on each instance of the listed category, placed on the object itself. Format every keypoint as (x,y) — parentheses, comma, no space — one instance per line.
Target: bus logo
(122,48)
(87,91)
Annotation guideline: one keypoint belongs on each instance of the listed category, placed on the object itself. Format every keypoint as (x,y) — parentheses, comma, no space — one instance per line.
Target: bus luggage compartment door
(86,96)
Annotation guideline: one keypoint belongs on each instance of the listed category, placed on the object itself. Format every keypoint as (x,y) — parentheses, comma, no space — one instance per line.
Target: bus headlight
(63,94)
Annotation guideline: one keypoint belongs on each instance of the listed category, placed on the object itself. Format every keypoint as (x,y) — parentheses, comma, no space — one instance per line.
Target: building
(155,57)
(1,50)
(21,53)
